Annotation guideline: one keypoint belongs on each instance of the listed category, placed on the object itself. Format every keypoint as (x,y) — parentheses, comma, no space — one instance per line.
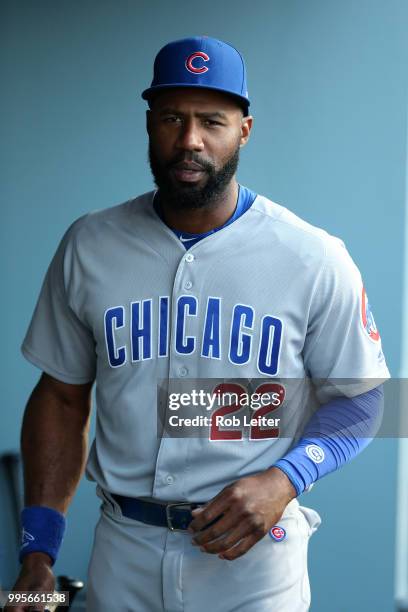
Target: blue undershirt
(340,429)
(246,198)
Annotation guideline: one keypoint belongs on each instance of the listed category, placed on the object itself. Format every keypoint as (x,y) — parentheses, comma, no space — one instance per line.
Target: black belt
(175,516)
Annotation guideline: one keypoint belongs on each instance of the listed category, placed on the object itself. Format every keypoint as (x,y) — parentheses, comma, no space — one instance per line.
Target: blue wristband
(42,531)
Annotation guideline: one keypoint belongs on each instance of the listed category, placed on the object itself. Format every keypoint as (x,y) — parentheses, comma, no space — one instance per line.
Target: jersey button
(189,257)
(183,371)
(188,285)
(169,479)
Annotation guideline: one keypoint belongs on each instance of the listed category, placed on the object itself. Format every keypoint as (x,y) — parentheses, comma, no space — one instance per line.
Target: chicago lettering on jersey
(152,331)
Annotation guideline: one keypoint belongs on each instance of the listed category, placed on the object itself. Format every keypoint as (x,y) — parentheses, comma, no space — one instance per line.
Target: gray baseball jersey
(267,297)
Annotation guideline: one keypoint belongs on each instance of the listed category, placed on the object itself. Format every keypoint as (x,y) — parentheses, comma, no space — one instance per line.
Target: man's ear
(246,127)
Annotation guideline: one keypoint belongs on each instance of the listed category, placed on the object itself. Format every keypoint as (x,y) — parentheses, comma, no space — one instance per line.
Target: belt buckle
(168,513)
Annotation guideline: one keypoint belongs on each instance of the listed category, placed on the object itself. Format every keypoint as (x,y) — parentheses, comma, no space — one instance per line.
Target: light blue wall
(329,87)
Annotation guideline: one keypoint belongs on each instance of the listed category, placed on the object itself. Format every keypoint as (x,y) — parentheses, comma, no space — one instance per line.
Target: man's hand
(35,576)
(243,513)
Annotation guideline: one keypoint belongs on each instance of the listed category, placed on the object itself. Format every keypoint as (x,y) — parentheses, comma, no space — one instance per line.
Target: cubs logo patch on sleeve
(277,533)
(368,318)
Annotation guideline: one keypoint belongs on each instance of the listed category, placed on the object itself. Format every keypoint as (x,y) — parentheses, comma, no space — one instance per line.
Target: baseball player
(200,284)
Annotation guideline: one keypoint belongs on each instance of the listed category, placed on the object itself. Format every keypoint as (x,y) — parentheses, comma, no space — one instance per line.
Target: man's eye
(212,122)
(171,119)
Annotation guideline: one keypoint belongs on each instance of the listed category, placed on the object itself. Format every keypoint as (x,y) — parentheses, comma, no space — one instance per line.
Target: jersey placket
(173,452)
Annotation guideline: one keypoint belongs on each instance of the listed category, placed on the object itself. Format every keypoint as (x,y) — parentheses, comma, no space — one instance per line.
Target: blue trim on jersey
(335,434)
(246,198)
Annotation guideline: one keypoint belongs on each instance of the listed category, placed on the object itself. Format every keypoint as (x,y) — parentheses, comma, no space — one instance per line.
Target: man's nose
(190,137)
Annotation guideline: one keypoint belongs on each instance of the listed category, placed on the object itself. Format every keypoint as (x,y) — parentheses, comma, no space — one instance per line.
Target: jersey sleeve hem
(351,387)
(45,367)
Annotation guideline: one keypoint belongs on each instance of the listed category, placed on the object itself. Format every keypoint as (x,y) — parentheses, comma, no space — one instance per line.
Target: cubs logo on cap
(200,61)
(192,67)
(277,533)
(368,318)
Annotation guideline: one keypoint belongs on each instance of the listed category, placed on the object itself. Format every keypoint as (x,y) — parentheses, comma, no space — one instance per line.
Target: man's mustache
(194,161)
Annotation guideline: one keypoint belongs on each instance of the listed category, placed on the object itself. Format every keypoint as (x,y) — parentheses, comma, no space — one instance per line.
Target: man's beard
(185,196)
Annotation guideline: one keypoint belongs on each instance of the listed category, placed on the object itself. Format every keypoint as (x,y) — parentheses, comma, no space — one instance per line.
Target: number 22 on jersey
(225,424)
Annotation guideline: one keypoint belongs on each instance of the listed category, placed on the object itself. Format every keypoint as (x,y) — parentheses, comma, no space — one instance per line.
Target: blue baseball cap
(200,61)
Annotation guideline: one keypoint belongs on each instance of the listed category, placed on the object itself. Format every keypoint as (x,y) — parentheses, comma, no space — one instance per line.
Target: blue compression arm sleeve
(336,433)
